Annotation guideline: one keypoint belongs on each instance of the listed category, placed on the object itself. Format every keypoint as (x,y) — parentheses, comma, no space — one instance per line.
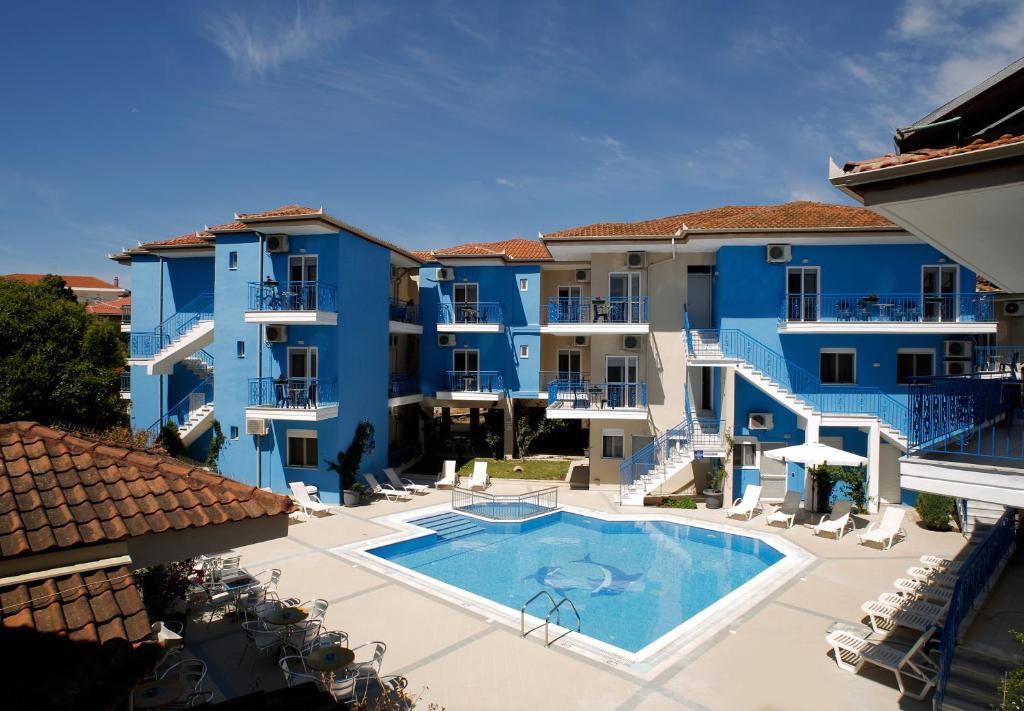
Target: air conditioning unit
(583,275)
(636,260)
(445,340)
(958,349)
(1013,308)
(760,421)
(396,271)
(276,334)
(255,427)
(779,253)
(957,367)
(277,244)
(632,343)
(445,274)
(581,341)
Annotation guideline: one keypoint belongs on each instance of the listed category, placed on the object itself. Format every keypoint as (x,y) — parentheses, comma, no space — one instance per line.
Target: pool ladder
(556,610)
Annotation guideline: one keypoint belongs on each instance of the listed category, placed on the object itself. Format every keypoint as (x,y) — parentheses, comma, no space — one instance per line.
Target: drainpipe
(259,374)
(160,321)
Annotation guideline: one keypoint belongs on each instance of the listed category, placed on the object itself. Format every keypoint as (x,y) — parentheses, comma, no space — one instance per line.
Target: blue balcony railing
(146,344)
(476,312)
(888,308)
(477,381)
(292,296)
(403,311)
(400,384)
(998,359)
(550,376)
(586,395)
(293,393)
(595,310)
(182,411)
(126,380)
(126,313)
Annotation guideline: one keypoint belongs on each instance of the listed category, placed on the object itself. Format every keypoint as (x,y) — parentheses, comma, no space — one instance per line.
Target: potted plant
(347,464)
(713,492)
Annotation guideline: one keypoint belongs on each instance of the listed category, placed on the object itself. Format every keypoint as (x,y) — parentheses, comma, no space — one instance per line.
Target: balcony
(887,313)
(311,303)
(596,315)
(470,317)
(403,389)
(126,384)
(583,400)
(966,439)
(183,333)
(292,399)
(404,317)
(477,385)
(126,318)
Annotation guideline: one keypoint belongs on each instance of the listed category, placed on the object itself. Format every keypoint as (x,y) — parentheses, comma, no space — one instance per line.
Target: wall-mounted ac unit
(445,340)
(636,260)
(632,343)
(958,349)
(396,271)
(581,341)
(778,253)
(957,367)
(276,334)
(583,275)
(277,244)
(760,421)
(445,274)
(255,427)
(1013,308)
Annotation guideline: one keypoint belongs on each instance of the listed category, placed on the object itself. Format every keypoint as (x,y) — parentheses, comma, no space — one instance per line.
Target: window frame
(524,350)
(838,351)
(233,432)
(915,352)
(304,435)
(524,284)
(747,440)
(239,349)
(233,261)
(614,432)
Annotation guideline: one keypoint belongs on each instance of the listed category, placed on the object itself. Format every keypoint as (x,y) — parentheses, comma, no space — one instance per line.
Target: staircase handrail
(180,410)
(146,344)
(659,451)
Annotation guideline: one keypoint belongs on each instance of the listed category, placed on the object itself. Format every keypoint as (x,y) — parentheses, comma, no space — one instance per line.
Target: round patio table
(331,658)
(156,693)
(286,616)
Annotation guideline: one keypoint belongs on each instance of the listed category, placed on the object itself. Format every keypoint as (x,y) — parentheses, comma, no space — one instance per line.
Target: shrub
(935,511)
(679,502)
(1012,687)
(852,479)
(161,585)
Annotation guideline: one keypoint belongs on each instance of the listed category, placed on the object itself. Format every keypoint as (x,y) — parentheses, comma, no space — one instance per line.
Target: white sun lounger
(746,506)
(404,484)
(905,603)
(447,479)
(388,492)
(836,522)
(884,532)
(932,577)
(883,617)
(942,565)
(923,590)
(307,502)
(787,512)
(852,653)
(479,479)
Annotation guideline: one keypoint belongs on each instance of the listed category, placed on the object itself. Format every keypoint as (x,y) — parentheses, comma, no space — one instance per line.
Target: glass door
(466,367)
(569,307)
(624,295)
(939,292)
(302,376)
(302,277)
(802,292)
(466,302)
(621,381)
(570,364)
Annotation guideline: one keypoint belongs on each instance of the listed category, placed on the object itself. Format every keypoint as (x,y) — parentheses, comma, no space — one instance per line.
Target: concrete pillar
(474,423)
(446,423)
(812,429)
(874,469)
(509,436)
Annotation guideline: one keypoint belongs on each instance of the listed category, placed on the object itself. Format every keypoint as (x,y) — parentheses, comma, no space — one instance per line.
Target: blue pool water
(632,581)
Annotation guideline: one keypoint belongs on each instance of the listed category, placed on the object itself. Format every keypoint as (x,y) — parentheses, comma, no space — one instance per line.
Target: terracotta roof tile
(283,211)
(59,491)
(71,280)
(185,239)
(512,250)
(891,159)
(983,284)
(801,215)
(111,307)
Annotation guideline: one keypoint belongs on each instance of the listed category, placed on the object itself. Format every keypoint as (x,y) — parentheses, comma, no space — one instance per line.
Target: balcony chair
(886,531)
(747,505)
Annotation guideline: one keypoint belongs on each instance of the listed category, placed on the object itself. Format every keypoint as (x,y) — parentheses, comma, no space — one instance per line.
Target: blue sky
(432,123)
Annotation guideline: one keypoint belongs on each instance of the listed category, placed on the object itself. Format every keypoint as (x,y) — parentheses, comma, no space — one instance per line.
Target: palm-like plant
(346,465)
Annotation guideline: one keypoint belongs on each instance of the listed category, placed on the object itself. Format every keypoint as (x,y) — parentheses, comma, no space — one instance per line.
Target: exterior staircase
(199,363)
(974,680)
(193,414)
(179,336)
(981,516)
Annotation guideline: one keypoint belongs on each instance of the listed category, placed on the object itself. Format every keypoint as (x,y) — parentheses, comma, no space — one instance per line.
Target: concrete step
(974,690)
(973,667)
(954,702)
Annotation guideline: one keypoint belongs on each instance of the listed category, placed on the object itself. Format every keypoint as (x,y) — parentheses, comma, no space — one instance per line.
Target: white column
(874,469)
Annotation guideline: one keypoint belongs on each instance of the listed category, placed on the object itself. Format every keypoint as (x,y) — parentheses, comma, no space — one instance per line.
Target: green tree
(216,444)
(346,465)
(526,434)
(57,361)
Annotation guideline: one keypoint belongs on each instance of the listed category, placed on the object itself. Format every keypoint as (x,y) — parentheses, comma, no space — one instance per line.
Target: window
(914,363)
(524,285)
(466,294)
(233,261)
(302,363)
(240,349)
(569,361)
(234,431)
(524,351)
(744,454)
(612,443)
(303,274)
(939,286)
(802,287)
(302,449)
(838,366)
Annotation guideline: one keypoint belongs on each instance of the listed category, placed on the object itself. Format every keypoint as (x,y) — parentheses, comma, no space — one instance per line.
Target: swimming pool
(633,581)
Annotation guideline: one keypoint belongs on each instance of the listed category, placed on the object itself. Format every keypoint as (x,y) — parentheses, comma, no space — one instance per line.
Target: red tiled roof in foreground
(72,281)
(891,159)
(60,490)
(517,249)
(801,215)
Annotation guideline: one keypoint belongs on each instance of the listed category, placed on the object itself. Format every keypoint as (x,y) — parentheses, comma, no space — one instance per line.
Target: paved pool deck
(772,657)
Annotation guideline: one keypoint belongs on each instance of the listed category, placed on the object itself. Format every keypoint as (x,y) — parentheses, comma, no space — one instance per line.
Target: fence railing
(888,308)
(998,359)
(976,575)
(302,393)
(203,356)
(587,395)
(799,382)
(401,452)
(673,444)
(404,311)
(292,296)
(505,507)
(126,313)
(475,312)
(182,411)
(552,376)
(595,309)
(146,344)
(400,384)
(126,380)
(475,381)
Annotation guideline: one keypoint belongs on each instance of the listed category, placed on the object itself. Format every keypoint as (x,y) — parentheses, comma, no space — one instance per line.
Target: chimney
(115,281)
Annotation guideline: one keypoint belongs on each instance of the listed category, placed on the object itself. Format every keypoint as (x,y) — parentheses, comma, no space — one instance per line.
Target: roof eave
(842,179)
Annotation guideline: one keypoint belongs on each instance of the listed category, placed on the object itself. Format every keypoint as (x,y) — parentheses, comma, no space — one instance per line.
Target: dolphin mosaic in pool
(585,574)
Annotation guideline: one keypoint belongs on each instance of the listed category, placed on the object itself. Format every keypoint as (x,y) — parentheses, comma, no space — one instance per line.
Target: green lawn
(532,468)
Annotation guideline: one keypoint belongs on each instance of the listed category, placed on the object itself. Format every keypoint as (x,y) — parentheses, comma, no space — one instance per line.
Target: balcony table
(156,693)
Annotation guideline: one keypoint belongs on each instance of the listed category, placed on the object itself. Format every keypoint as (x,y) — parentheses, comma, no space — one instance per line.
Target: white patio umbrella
(816,454)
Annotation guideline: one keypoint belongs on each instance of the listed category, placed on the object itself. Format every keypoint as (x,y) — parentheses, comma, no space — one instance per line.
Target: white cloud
(505,182)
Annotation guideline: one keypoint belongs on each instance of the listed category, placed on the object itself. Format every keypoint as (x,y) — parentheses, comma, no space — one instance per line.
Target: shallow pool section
(632,581)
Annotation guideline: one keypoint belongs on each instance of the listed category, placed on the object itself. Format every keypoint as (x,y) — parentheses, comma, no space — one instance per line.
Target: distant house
(88,289)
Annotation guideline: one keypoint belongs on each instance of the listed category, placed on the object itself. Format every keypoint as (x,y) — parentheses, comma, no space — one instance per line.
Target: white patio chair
(941,565)
(836,522)
(447,478)
(746,506)
(404,484)
(196,698)
(852,653)
(335,638)
(883,616)
(230,566)
(261,638)
(388,492)
(479,479)
(921,590)
(885,532)
(353,687)
(946,580)
(309,503)
(295,671)
(787,512)
(375,650)
(190,672)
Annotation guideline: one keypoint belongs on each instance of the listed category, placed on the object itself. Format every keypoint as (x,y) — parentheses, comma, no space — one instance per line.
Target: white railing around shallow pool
(505,507)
